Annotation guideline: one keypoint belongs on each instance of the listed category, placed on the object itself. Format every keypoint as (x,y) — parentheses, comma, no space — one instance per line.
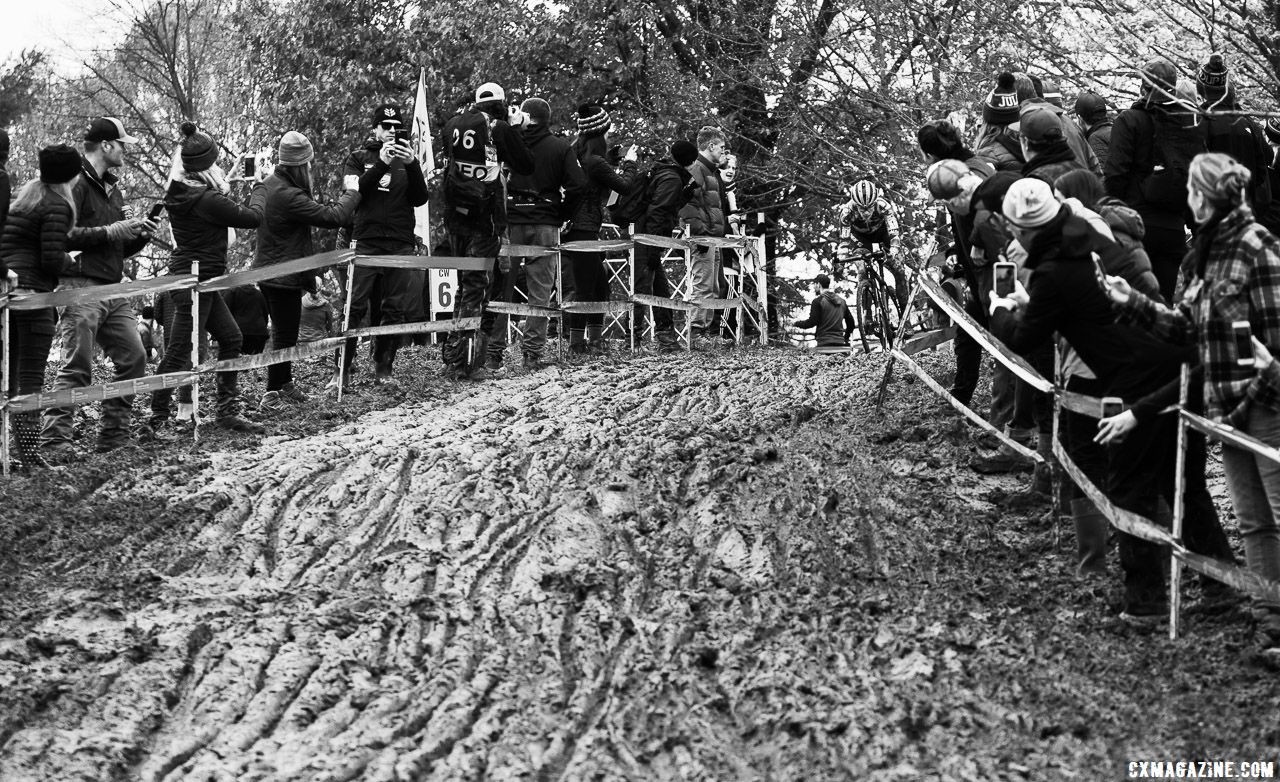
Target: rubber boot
(26,431)
(1042,478)
(1092,532)
(577,341)
(479,356)
(229,406)
(595,340)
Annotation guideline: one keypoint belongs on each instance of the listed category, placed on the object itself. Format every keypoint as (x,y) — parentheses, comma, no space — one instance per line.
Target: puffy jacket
(601,180)
(998,149)
(668,185)
(285,234)
(34,244)
(1099,137)
(316,319)
(99,203)
(1115,234)
(1075,136)
(200,217)
(831,319)
(388,194)
(704,213)
(535,198)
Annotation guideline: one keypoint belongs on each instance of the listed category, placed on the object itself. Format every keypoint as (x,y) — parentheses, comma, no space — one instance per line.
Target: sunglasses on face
(389,125)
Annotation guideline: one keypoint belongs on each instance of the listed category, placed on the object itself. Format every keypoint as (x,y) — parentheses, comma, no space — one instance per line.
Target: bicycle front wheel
(868,310)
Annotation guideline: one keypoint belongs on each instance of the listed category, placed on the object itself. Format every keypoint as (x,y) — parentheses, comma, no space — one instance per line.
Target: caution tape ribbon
(68,296)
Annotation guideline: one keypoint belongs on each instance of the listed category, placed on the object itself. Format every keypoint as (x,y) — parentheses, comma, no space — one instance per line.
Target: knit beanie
(538,110)
(1273,130)
(59,163)
(1030,203)
(1219,177)
(684,152)
(943,178)
(1213,76)
(993,189)
(199,153)
(1001,105)
(593,120)
(295,149)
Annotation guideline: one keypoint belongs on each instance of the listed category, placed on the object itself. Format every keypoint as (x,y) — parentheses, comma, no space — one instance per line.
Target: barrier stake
(631,291)
(1054,482)
(195,356)
(4,377)
(1179,508)
(897,342)
(340,371)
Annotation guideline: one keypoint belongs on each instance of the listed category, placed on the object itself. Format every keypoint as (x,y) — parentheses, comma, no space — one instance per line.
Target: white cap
(489,91)
(1030,203)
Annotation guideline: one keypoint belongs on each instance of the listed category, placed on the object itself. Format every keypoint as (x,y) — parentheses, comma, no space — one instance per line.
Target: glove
(614,155)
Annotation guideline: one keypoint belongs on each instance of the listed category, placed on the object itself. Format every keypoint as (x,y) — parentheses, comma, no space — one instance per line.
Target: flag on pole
(422,149)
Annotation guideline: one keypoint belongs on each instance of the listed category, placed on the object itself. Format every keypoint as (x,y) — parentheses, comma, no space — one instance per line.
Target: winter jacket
(1132,160)
(535,198)
(1242,139)
(1051,163)
(1065,297)
(249,309)
(200,217)
(502,144)
(384,220)
(1074,135)
(1271,217)
(34,244)
(668,184)
(316,322)
(1002,151)
(831,320)
(1235,276)
(287,219)
(6,193)
(600,181)
(1099,138)
(704,214)
(1114,233)
(99,203)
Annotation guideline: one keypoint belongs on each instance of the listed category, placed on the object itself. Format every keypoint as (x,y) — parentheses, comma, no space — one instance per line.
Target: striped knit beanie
(593,120)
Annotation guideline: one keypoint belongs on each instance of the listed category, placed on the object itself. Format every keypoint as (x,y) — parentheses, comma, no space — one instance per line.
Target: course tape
(928,340)
(1123,520)
(596,307)
(1014,362)
(596,246)
(962,408)
(670,304)
(1230,574)
(524,310)
(419,327)
(113,390)
(1229,435)
(273,356)
(272,271)
(1081,404)
(464,264)
(37,301)
(718,241)
(527,250)
(653,240)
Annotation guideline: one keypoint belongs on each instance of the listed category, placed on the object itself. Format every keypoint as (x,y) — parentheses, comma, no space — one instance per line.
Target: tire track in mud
(578,573)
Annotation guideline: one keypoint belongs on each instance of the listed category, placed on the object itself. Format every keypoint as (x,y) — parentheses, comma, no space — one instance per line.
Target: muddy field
(710,566)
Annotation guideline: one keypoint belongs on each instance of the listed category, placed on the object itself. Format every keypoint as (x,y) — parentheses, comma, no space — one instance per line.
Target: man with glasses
(390,181)
(871,220)
(106,237)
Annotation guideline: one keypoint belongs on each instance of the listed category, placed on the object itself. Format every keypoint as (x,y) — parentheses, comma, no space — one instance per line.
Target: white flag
(421,141)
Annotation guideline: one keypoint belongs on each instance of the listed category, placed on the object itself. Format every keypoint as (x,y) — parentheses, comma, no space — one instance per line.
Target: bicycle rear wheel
(870,321)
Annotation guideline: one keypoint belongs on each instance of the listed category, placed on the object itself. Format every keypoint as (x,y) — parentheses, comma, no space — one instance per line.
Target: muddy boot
(1042,477)
(26,431)
(578,341)
(229,406)
(475,369)
(1092,532)
(595,340)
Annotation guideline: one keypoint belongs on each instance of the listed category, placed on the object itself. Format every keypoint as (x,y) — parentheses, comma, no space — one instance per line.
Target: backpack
(631,206)
(1174,144)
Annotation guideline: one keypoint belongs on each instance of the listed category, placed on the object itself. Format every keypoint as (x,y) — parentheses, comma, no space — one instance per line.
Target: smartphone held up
(1112,406)
(1006,275)
(1242,335)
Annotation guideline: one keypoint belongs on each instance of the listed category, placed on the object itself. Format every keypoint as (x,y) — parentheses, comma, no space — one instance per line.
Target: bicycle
(875,302)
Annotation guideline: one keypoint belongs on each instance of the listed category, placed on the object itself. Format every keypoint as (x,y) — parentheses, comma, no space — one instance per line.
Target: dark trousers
(30,337)
(591,279)
(401,302)
(968,355)
(507,287)
(1166,248)
(651,280)
(216,319)
(1032,408)
(1077,432)
(1141,471)
(252,344)
(472,289)
(284,305)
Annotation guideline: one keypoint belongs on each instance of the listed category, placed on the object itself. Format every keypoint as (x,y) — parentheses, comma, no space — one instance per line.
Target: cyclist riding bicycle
(871,220)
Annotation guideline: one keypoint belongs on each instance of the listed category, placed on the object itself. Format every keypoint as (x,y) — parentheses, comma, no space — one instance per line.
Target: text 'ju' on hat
(1001,105)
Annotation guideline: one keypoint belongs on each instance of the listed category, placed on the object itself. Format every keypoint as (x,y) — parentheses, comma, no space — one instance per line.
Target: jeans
(472,289)
(284,306)
(503,287)
(540,280)
(651,280)
(591,280)
(401,302)
(113,325)
(1254,483)
(217,320)
(706,280)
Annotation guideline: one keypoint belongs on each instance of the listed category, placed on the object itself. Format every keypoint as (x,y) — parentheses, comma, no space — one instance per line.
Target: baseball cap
(1089,104)
(108,129)
(387,112)
(943,178)
(490,91)
(1040,124)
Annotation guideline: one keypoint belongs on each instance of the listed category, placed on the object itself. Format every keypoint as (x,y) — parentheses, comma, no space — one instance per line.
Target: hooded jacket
(669,185)
(1133,160)
(1051,163)
(1242,139)
(600,181)
(316,321)
(704,214)
(536,198)
(999,151)
(99,203)
(384,219)
(34,244)
(200,217)
(285,234)
(1099,138)
(831,320)
(1065,297)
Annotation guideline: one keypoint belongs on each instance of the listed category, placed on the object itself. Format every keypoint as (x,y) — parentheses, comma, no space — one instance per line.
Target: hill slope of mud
(696,567)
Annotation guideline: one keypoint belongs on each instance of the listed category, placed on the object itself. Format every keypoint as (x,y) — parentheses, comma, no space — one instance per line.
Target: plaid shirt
(1241,282)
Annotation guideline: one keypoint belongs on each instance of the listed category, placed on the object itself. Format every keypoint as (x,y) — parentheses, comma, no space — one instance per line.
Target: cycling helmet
(864,193)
